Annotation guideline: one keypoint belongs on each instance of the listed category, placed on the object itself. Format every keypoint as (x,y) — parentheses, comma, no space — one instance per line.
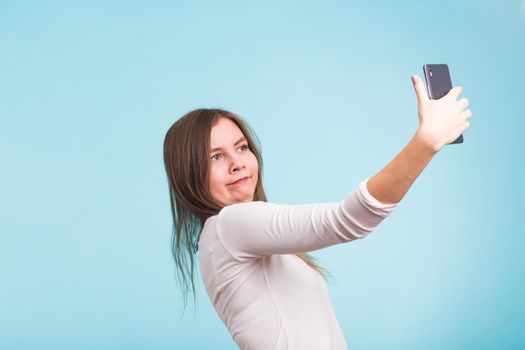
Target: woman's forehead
(224,133)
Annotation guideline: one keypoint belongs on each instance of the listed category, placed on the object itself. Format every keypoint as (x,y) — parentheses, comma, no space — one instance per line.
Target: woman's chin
(248,197)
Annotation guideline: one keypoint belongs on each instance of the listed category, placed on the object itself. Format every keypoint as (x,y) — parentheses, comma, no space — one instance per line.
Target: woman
(252,254)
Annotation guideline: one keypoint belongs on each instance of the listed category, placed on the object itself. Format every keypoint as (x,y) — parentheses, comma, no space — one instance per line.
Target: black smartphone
(439,84)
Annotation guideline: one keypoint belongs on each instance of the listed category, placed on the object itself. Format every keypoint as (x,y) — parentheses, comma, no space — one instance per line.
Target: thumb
(419,88)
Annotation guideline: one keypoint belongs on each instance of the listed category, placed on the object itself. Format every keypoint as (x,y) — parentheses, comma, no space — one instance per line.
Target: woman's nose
(237,164)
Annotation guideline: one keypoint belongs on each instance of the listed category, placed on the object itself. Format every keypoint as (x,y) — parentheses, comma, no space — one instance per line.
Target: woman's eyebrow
(235,144)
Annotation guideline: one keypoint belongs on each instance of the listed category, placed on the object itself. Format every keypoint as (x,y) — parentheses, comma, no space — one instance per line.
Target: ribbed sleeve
(256,229)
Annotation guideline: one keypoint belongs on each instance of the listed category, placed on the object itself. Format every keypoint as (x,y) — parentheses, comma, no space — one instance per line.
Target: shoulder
(234,228)
(248,213)
(244,208)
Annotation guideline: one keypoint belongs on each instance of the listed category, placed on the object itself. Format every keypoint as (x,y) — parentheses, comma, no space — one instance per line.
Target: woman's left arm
(391,184)
(440,122)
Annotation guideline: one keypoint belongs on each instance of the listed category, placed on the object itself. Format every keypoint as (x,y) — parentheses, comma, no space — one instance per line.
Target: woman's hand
(441,121)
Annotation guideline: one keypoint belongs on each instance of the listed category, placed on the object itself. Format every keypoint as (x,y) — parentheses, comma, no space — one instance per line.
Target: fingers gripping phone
(439,84)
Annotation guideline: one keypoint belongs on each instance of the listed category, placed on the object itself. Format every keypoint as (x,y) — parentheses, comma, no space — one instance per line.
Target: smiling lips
(241,180)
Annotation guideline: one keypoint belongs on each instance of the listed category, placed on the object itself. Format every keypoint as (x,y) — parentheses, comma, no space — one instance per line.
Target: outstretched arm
(392,183)
(440,122)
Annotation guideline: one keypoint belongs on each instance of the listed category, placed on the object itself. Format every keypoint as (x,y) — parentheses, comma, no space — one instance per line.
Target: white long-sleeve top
(267,297)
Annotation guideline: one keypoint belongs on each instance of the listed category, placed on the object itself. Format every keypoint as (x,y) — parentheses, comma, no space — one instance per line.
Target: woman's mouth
(241,181)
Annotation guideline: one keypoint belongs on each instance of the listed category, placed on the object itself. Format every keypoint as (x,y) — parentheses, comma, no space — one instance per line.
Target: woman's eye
(219,155)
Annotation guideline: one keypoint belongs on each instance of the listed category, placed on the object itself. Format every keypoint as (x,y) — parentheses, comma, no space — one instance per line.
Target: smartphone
(439,84)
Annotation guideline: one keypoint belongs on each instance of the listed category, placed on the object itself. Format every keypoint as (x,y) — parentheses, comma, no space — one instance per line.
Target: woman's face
(230,161)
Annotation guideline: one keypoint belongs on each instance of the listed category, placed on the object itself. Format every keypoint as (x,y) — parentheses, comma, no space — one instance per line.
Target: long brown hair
(186,150)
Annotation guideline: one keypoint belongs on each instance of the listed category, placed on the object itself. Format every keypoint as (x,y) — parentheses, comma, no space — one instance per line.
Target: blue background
(89,89)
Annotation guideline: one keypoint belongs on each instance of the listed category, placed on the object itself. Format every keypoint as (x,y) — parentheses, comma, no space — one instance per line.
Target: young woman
(268,292)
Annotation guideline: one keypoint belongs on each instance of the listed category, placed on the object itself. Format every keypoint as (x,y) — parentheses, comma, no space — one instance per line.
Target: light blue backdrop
(89,89)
